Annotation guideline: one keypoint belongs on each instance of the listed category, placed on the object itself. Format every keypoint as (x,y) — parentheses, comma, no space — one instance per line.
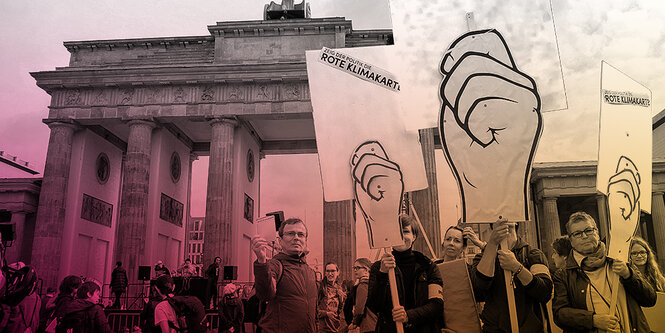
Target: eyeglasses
(292,234)
(356,268)
(588,232)
(638,253)
(331,271)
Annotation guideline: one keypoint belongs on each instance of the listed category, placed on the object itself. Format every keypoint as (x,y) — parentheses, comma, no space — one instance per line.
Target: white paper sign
(624,155)
(424,28)
(490,125)
(349,110)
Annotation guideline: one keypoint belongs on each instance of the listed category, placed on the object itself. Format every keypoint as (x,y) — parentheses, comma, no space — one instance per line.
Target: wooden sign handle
(508,277)
(395,297)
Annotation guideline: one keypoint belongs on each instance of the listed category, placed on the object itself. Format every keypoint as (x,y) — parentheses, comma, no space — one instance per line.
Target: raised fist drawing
(490,123)
(378,189)
(623,195)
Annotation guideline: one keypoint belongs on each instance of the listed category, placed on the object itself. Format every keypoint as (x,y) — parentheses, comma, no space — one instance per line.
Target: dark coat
(291,299)
(231,314)
(119,279)
(569,305)
(528,298)
(425,316)
(90,316)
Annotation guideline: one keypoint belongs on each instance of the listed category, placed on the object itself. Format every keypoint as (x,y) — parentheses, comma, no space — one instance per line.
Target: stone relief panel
(154,95)
(126,96)
(263,92)
(207,94)
(235,93)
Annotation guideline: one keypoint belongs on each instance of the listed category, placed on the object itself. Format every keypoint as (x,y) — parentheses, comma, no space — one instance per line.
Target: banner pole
(393,294)
(510,294)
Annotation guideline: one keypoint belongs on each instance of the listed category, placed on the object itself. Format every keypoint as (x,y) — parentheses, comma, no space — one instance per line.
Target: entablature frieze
(186,95)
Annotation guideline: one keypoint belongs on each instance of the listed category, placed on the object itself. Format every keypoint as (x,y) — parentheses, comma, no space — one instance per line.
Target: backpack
(190,314)
(71,323)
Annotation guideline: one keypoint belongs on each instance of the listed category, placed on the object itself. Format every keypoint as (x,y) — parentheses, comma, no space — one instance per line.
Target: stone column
(658,220)
(219,200)
(339,236)
(550,228)
(50,223)
(603,220)
(426,202)
(132,223)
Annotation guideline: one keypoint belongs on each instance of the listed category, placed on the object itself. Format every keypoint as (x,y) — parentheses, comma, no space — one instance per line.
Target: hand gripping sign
(490,124)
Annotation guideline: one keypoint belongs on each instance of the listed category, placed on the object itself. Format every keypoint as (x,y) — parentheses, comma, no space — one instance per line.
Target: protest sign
(354,98)
(423,28)
(490,124)
(624,155)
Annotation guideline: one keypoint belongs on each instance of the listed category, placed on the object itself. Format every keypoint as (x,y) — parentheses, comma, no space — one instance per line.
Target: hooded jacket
(569,305)
(90,316)
(291,298)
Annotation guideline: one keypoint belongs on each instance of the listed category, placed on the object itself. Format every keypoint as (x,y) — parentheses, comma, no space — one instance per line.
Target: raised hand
(378,189)
(490,123)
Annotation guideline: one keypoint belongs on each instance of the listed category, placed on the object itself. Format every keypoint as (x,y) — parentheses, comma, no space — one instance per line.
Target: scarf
(596,259)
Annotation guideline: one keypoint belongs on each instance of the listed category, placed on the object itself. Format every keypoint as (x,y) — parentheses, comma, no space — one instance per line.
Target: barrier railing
(125,320)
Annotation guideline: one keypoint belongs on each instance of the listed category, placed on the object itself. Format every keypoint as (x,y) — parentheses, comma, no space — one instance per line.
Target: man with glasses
(582,290)
(285,281)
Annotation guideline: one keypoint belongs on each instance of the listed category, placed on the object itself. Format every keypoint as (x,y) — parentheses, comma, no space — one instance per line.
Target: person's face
(331,272)
(409,238)
(559,261)
(359,271)
(218,261)
(294,239)
(638,255)
(94,298)
(584,236)
(453,243)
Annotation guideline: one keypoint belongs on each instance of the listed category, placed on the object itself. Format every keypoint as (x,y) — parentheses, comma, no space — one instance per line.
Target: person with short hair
(160,269)
(530,279)
(419,287)
(582,291)
(560,250)
(165,316)
(84,314)
(286,281)
(644,259)
(119,283)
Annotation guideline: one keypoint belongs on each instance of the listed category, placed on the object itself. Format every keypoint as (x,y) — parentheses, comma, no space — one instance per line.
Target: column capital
(656,193)
(550,198)
(67,123)
(141,122)
(193,157)
(229,121)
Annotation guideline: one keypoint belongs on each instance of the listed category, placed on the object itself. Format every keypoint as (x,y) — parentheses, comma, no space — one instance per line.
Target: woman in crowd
(363,318)
(330,301)
(455,241)
(231,312)
(643,257)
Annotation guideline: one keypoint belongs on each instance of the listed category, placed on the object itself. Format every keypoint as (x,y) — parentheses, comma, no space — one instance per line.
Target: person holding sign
(419,287)
(530,279)
(582,290)
(286,281)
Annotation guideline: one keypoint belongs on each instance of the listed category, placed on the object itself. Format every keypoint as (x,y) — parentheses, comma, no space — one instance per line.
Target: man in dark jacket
(419,287)
(582,289)
(212,275)
(286,281)
(119,283)
(530,278)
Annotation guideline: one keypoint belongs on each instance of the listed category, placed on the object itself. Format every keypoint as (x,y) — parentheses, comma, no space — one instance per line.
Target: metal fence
(125,320)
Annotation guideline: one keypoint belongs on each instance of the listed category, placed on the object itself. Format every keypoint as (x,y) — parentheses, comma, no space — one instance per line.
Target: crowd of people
(573,287)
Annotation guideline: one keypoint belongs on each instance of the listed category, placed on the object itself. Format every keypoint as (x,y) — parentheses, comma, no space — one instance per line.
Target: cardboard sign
(351,108)
(490,125)
(423,28)
(624,155)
